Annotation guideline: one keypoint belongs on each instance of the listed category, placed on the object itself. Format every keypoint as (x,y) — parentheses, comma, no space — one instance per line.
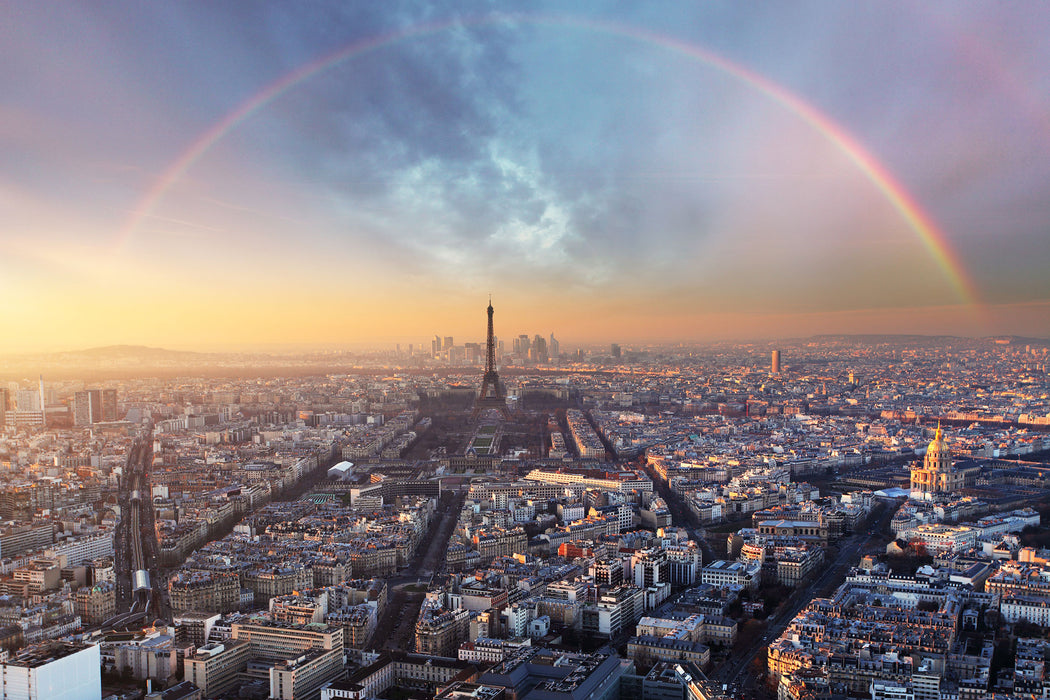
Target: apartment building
(214,668)
(724,574)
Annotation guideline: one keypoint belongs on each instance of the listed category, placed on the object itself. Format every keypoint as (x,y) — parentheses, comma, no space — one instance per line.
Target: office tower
(538,351)
(491,394)
(448,342)
(615,351)
(553,346)
(435,346)
(28,400)
(521,345)
(29,411)
(776,362)
(94,406)
(87,407)
(109,404)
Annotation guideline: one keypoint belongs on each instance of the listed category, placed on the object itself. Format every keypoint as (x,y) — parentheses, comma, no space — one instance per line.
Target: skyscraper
(87,407)
(94,406)
(521,345)
(776,362)
(109,404)
(538,351)
(29,400)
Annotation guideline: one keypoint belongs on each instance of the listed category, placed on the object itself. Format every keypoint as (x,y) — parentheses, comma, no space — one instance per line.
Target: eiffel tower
(491,394)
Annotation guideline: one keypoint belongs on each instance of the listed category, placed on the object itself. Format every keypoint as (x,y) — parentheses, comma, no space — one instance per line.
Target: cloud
(541,154)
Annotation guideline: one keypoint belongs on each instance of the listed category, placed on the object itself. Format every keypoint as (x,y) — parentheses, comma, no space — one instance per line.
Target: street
(851,549)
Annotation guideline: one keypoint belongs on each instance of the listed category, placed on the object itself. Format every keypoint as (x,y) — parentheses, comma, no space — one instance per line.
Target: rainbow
(928,233)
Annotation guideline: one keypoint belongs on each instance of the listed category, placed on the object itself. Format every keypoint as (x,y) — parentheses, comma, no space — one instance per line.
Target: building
(477,596)
(797,564)
(94,406)
(39,575)
(650,567)
(301,678)
(489,651)
(87,407)
(616,609)
(269,581)
(415,671)
(608,572)
(775,363)
(724,574)
(1031,608)
(194,627)
(439,631)
(214,667)
(180,691)
(272,641)
(358,624)
(805,530)
(95,604)
(491,544)
(461,690)
(648,650)
(53,671)
(151,656)
(83,549)
(16,539)
(543,674)
(937,477)
(204,591)
(299,608)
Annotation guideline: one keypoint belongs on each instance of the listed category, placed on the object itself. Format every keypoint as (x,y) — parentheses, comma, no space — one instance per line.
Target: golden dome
(937,454)
(938,442)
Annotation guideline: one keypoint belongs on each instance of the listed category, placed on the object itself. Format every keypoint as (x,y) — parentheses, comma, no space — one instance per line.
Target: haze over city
(228,175)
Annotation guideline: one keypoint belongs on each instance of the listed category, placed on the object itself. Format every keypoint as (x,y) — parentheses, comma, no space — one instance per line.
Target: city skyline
(219,177)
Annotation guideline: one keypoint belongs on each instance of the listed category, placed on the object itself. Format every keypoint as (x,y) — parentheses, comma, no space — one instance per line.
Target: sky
(229,175)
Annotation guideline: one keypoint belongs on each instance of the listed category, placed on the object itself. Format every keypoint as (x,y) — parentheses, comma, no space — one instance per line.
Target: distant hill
(141,352)
(902,339)
(103,362)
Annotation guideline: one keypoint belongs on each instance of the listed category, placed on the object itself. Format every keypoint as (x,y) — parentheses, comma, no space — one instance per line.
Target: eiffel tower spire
(491,394)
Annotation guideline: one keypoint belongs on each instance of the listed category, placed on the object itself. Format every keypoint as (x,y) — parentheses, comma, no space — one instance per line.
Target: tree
(1024,628)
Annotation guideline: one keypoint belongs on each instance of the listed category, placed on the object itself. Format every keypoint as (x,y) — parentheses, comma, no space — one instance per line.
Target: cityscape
(520,351)
(836,517)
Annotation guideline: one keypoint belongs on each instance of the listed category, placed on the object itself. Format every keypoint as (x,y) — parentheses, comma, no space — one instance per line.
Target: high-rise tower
(491,394)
